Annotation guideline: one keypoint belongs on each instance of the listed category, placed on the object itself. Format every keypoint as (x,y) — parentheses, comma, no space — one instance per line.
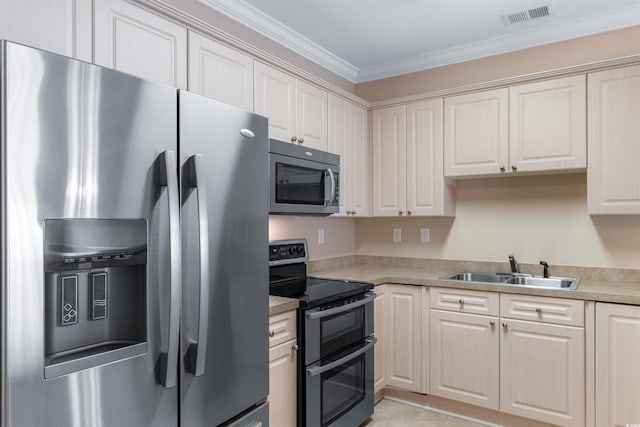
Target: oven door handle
(317,370)
(370,296)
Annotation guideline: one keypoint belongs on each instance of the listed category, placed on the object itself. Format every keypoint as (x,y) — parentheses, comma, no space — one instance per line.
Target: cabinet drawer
(282,327)
(542,309)
(464,301)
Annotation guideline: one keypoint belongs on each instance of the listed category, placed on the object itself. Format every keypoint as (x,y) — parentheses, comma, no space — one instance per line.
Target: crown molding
(263,24)
(258,21)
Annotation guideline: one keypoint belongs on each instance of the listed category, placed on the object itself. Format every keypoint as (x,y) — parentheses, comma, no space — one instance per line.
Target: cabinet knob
(272,333)
(301,140)
(353,212)
(538,310)
(295,347)
(502,168)
(294,139)
(504,325)
(514,167)
(461,301)
(408,212)
(492,323)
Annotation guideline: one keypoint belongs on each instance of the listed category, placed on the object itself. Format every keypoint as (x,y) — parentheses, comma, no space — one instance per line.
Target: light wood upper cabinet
(613,175)
(297,111)
(476,133)
(465,358)
(617,368)
(404,337)
(131,39)
(548,125)
(532,127)
(407,162)
(542,372)
(219,72)
(348,138)
(61,26)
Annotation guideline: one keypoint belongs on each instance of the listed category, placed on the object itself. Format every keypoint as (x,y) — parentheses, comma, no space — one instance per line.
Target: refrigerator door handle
(197,352)
(169,360)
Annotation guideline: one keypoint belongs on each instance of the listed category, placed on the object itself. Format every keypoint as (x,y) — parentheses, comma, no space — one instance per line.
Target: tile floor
(391,413)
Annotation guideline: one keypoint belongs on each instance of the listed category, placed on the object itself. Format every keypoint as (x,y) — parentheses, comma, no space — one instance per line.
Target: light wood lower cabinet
(617,366)
(464,358)
(282,369)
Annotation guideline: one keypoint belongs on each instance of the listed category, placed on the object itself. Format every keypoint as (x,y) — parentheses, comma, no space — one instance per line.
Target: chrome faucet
(545,271)
(514,266)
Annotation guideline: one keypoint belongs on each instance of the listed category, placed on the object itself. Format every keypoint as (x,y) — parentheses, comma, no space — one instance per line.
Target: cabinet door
(476,132)
(360,163)
(426,191)
(340,143)
(389,160)
(464,358)
(542,372)
(311,116)
(62,26)
(282,384)
(136,41)
(219,72)
(548,125)
(379,325)
(613,175)
(617,367)
(275,98)
(404,362)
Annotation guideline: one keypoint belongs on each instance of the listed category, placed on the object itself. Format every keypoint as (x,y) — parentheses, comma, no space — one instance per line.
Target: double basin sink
(516,279)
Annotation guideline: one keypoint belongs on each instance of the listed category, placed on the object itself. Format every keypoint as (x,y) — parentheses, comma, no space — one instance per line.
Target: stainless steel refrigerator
(134,251)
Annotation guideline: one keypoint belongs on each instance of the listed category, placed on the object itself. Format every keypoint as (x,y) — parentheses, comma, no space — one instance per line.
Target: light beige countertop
(589,289)
(279,305)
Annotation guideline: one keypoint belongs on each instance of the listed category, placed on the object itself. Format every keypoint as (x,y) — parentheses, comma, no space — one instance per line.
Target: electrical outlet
(397,235)
(321,236)
(425,235)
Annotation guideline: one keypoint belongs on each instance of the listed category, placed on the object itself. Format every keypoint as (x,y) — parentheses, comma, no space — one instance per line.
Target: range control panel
(288,251)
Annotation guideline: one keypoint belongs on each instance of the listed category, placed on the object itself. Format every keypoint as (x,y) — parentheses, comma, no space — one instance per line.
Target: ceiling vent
(527,15)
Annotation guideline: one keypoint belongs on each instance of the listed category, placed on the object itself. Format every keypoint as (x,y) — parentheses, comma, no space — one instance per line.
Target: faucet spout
(545,271)
(512,262)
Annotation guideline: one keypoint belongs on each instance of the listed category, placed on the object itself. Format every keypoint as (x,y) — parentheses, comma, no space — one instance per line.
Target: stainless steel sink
(565,283)
(545,282)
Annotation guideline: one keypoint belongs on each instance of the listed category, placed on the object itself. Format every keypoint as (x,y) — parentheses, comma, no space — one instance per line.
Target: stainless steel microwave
(303,181)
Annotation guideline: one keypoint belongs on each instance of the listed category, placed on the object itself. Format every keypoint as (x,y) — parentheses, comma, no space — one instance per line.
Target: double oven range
(335,336)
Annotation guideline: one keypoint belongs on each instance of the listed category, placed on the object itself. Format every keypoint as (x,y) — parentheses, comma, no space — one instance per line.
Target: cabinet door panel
(476,132)
(617,367)
(404,368)
(282,385)
(464,362)
(389,157)
(340,143)
(379,323)
(62,26)
(613,176)
(219,72)
(138,42)
(360,164)
(548,128)
(542,372)
(275,99)
(311,120)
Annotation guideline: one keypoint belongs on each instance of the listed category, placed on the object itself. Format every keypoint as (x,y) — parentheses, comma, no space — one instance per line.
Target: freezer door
(223,158)
(87,169)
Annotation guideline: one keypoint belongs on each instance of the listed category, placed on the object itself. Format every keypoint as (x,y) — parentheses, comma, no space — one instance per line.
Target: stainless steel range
(335,334)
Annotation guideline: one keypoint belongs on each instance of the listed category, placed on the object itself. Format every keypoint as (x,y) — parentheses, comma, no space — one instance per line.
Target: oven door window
(342,330)
(342,388)
(299,185)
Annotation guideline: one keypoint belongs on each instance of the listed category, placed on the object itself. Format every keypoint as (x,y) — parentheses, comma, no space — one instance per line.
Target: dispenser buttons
(98,296)
(69,301)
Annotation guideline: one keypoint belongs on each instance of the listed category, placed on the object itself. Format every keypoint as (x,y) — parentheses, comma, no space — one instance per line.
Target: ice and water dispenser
(95,292)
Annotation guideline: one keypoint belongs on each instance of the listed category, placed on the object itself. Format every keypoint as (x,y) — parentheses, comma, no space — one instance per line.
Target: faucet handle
(512,262)
(545,272)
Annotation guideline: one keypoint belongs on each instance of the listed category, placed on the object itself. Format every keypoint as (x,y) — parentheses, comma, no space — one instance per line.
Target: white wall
(534,218)
(339,234)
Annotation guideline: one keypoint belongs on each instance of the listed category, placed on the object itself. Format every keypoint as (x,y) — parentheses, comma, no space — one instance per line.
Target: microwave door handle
(343,308)
(317,370)
(197,350)
(332,192)
(167,177)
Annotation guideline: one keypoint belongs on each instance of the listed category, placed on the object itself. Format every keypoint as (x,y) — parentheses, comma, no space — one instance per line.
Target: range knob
(300,249)
(292,250)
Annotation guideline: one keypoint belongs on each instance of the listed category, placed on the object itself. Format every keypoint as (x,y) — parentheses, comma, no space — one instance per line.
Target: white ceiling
(363,40)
